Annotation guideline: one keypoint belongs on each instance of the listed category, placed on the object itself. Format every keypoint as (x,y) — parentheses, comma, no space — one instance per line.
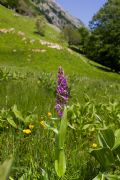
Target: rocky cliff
(56,15)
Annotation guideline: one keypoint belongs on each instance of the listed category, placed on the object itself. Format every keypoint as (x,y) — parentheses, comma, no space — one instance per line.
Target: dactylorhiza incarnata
(61,92)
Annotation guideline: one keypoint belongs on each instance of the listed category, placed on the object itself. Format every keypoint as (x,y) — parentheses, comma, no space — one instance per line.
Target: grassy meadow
(28,79)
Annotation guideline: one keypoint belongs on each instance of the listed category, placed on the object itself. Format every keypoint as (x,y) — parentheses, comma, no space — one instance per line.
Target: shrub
(41,25)
(71,35)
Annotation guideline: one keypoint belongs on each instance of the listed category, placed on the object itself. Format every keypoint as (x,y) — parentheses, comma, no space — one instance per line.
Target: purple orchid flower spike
(61,92)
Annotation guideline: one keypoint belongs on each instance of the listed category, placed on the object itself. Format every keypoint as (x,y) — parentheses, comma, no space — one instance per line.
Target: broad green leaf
(17,113)
(11,122)
(10,178)
(117,139)
(104,156)
(60,164)
(106,138)
(71,126)
(99,177)
(106,177)
(112,177)
(62,130)
(5,169)
(53,129)
(30,119)
(47,126)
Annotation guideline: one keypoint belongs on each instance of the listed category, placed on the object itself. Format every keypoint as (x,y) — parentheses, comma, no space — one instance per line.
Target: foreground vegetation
(34,151)
(28,120)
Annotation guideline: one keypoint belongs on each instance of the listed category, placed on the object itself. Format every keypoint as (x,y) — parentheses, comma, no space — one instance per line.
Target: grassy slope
(22,23)
(93,81)
(48,61)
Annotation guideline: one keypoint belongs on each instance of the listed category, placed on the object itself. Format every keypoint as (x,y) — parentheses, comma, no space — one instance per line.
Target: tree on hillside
(25,8)
(71,35)
(104,42)
(84,36)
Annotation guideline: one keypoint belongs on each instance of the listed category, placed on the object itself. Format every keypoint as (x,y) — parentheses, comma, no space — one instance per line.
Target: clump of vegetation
(77,39)
(41,25)
(71,35)
(84,37)
(89,125)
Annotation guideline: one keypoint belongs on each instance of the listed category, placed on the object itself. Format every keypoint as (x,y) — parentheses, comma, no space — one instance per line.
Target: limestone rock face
(56,15)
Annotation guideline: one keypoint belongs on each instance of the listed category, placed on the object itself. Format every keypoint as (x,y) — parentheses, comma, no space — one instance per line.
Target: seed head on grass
(61,92)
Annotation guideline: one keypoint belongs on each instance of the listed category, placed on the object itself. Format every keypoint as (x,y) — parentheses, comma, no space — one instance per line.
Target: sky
(82,9)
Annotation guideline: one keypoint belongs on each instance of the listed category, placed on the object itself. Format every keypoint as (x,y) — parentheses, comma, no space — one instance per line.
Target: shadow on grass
(38,33)
(75,49)
(101,67)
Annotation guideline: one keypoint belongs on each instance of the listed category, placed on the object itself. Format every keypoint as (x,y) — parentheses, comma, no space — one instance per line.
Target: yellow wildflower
(31,126)
(94,145)
(27,131)
(43,124)
(49,114)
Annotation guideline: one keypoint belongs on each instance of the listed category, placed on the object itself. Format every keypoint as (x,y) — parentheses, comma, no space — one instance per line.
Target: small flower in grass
(31,126)
(27,131)
(61,92)
(43,124)
(94,145)
(49,114)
